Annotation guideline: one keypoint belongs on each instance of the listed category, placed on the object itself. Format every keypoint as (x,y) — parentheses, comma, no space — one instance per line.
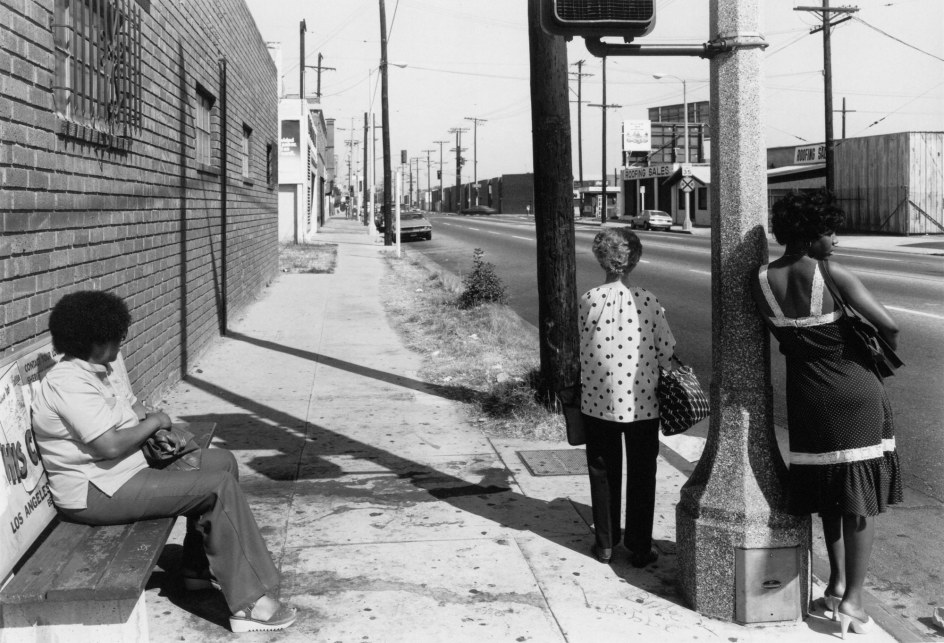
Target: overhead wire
(888,35)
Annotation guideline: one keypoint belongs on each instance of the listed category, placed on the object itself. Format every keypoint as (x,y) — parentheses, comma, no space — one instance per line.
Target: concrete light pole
(687,222)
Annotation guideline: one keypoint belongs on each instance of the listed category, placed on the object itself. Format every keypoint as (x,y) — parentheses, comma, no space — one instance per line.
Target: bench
(69,581)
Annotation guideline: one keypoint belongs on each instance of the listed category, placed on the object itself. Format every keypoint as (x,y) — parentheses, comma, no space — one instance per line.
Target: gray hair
(617,249)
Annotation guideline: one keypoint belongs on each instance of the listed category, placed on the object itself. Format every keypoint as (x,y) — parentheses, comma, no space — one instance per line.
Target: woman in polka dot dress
(843,462)
(624,339)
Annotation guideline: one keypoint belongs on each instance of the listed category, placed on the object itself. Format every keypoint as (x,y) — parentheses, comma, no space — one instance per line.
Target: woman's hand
(167,441)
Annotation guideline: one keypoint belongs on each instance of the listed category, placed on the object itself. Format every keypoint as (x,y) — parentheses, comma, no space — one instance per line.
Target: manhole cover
(555,462)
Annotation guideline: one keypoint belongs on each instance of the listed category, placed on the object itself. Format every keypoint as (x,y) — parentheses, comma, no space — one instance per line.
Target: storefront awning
(795,172)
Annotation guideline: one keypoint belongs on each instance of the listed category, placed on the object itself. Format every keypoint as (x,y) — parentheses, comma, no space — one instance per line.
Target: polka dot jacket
(624,338)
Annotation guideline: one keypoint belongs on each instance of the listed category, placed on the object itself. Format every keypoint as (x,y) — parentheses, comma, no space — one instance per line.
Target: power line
(906,44)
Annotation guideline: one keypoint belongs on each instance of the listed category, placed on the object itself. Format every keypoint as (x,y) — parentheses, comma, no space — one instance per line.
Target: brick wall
(142,219)
(517,192)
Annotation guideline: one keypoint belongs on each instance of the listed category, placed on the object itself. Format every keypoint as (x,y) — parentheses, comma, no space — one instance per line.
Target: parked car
(651,220)
(413,224)
(478,209)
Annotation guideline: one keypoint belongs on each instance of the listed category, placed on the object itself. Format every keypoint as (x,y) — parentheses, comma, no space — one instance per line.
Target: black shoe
(641,559)
(602,554)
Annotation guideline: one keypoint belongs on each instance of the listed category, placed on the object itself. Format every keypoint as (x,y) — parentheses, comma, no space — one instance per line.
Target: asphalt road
(908,562)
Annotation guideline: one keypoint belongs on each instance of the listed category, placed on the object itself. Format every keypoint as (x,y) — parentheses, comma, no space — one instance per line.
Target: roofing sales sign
(25,502)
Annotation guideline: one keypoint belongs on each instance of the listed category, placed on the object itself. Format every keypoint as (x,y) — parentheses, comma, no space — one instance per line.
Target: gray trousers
(221,531)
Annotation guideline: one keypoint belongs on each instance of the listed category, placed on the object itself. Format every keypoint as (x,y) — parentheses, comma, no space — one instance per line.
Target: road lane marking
(844,254)
(701,272)
(915,312)
(514,236)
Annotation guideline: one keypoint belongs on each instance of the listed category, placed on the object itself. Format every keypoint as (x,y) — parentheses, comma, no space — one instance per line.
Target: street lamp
(687,223)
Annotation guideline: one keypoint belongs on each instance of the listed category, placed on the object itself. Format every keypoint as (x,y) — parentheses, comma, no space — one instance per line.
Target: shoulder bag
(878,352)
(186,458)
(682,402)
(569,398)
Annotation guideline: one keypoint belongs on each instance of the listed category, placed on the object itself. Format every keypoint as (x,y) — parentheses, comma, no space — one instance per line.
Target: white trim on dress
(845,455)
(816,317)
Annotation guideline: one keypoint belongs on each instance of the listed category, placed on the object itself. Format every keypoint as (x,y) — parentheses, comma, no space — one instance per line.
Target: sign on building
(637,136)
(651,172)
(804,154)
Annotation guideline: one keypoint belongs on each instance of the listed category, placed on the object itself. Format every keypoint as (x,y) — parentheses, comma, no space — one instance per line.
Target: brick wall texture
(148,223)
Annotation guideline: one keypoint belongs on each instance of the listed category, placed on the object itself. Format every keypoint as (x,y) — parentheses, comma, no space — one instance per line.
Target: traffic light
(439,174)
(597,18)
(403,157)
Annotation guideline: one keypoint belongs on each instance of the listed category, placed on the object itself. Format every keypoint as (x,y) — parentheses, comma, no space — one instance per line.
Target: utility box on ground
(767,585)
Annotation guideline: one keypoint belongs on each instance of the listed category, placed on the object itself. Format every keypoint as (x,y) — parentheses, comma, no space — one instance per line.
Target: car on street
(478,209)
(413,225)
(651,220)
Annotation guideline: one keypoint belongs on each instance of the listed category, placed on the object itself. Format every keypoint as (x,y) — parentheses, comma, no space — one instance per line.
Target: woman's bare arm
(859,297)
(117,443)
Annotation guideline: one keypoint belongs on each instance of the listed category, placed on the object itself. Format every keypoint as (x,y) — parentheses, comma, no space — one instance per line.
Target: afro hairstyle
(81,320)
(805,216)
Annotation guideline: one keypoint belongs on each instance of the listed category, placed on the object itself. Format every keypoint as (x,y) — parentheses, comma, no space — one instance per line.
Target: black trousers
(605,464)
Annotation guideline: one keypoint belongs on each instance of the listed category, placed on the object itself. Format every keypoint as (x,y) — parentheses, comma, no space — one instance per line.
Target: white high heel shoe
(858,626)
(832,605)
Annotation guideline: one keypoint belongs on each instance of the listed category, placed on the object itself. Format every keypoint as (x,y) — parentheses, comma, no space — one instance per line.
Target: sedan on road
(414,225)
(651,220)
(478,209)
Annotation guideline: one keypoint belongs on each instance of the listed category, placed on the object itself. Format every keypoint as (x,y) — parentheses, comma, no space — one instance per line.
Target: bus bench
(62,580)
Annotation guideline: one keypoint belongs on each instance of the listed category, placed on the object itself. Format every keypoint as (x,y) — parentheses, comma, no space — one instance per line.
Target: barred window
(97,90)
(203,146)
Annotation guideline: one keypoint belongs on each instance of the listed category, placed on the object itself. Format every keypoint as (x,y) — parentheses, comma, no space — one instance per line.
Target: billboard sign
(637,136)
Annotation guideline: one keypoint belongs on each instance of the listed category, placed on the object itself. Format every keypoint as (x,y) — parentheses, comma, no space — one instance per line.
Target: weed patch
(487,349)
(308,257)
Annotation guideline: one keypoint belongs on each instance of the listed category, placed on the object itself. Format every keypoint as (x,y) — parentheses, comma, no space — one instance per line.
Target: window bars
(98,68)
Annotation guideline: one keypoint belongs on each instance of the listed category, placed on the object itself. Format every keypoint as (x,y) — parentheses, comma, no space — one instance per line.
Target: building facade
(138,146)
(304,181)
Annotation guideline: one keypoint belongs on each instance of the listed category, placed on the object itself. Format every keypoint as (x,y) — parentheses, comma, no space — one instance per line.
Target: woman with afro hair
(90,427)
(843,462)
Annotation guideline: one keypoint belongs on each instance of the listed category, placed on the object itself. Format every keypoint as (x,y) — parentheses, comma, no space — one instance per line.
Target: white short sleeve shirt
(76,403)
(624,338)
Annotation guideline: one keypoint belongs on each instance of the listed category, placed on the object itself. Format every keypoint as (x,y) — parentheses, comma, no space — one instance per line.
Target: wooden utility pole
(302,28)
(367,188)
(579,74)
(844,112)
(603,107)
(385,124)
(441,195)
(475,153)
(826,14)
(553,207)
(429,191)
(458,132)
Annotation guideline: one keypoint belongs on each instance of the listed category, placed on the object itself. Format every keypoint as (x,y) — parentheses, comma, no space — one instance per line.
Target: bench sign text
(25,502)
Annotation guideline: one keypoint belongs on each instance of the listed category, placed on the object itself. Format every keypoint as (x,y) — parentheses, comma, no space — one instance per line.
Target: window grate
(98,66)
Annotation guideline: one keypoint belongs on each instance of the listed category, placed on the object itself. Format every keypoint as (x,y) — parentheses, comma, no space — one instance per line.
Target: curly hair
(805,216)
(81,320)
(617,249)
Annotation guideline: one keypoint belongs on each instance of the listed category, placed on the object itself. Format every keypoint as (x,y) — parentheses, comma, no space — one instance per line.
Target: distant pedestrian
(624,339)
(90,427)
(843,462)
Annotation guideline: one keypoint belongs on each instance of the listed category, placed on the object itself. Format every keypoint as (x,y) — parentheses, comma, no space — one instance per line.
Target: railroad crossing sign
(687,184)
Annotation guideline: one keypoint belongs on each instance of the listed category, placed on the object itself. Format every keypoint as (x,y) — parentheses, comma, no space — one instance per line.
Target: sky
(469,59)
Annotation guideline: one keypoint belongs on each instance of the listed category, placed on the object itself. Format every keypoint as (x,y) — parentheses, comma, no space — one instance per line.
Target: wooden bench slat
(139,551)
(42,567)
(88,563)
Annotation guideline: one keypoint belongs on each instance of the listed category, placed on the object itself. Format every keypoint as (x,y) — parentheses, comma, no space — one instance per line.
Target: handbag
(682,402)
(185,458)
(879,354)
(569,398)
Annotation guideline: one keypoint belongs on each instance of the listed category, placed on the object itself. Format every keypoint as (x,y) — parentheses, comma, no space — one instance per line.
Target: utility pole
(302,28)
(320,68)
(440,174)
(366,203)
(458,132)
(825,13)
(553,208)
(603,107)
(385,124)
(580,75)
(429,192)
(844,112)
(475,153)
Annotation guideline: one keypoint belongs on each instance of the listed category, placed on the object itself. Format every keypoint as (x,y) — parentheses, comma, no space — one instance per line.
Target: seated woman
(90,427)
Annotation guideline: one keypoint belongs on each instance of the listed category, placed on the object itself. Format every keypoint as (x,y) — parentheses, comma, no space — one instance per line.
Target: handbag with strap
(682,402)
(569,398)
(878,352)
(186,458)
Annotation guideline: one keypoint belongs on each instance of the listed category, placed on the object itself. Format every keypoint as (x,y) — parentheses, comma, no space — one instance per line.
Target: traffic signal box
(626,19)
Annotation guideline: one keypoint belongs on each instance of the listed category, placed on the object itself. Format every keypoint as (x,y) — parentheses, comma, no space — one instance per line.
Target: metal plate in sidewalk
(555,462)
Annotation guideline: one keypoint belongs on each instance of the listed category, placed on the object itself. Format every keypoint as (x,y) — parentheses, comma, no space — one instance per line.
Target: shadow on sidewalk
(307,456)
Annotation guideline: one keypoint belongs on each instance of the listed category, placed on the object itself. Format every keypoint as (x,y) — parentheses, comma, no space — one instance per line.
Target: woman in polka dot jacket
(624,339)
(843,462)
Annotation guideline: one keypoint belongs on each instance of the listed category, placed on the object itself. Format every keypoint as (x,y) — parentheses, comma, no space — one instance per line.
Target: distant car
(651,220)
(413,224)
(478,209)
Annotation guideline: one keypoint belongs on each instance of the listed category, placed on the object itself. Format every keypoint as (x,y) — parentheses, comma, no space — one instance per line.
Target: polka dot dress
(842,442)
(624,337)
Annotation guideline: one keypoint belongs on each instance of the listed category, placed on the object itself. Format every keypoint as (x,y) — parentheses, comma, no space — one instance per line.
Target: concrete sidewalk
(392,517)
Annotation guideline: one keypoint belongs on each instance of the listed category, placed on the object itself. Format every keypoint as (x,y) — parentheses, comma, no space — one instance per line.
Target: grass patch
(487,349)
(308,257)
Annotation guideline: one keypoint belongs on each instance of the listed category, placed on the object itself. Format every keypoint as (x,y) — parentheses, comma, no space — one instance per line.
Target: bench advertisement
(26,506)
